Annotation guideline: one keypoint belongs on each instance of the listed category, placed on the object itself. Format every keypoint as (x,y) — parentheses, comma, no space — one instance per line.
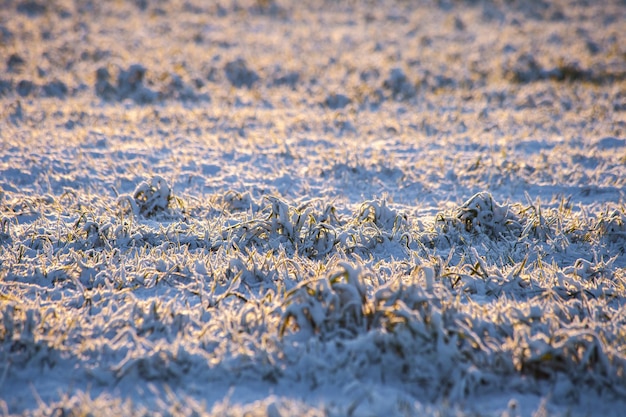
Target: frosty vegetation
(317,208)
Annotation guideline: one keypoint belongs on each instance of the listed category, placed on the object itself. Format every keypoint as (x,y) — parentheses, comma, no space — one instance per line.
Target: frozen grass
(425,216)
(481,298)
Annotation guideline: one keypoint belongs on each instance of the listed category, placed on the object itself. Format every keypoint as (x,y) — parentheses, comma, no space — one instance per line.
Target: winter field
(342,208)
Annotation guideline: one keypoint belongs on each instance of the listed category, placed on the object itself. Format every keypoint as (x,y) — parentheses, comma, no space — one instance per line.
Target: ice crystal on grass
(334,307)
(150,198)
(480,218)
(481,214)
(275,290)
(612,226)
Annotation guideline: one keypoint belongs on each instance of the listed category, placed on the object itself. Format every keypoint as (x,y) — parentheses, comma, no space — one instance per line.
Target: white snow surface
(314,207)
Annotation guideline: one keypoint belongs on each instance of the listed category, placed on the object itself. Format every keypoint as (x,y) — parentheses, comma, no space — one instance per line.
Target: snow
(312,208)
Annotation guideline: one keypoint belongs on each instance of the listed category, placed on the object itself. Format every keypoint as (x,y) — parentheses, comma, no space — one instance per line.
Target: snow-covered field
(313,207)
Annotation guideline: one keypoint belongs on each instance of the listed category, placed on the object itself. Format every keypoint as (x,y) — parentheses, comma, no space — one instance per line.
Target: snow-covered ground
(313,207)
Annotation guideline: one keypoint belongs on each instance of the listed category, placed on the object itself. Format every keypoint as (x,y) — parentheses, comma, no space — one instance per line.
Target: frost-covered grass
(483,298)
(316,208)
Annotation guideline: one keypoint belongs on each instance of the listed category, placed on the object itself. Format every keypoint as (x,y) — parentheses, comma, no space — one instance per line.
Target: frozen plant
(149,198)
(331,307)
(482,214)
(399,85)
(239,75)
(5,235)
(613,226)
(380,214)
